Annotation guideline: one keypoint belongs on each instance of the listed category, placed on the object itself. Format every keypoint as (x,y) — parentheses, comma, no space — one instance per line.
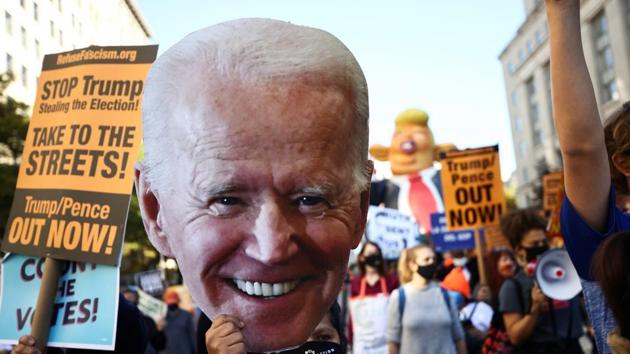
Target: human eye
(324,337)
(225,205)
(311,204)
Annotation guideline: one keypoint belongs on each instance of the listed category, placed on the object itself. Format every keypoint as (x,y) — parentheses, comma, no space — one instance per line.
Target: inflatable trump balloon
(415,188)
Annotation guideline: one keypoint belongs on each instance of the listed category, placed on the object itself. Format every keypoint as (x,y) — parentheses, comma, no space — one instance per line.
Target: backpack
(497,340)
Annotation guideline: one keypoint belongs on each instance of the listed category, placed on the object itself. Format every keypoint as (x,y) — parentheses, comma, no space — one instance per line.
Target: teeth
(265,289)
(257,289)
(249,288)
(278,289)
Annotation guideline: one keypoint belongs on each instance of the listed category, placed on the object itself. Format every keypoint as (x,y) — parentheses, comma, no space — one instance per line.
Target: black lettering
(32,163)
(21,318)
(84,309)
(461,196)
(109,160)
(69,313)
(77,162)
(23,271)
(55,314)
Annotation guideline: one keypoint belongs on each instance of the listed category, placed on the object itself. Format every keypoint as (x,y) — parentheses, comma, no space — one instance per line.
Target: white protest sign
(391,230)
(150,306)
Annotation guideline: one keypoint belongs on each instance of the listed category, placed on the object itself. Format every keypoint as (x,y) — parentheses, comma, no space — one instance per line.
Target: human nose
(273,240)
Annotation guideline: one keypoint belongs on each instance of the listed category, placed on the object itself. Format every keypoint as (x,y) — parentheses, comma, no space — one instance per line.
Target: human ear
(365,206)
(622,163)
(379,152)
(150,210)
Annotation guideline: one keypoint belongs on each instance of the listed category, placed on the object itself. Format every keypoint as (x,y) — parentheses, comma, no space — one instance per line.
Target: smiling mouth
(264,290)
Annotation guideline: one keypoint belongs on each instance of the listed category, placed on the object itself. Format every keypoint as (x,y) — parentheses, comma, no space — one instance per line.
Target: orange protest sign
(472,188)
(553,190)
(76,174)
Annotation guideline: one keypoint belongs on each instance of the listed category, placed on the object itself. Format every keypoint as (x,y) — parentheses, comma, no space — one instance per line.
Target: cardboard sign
(76,175)
(494,238)
(86,306)
(445,240)
(472,188)
(391,230)
(553,188)
(151,282)
(150,306)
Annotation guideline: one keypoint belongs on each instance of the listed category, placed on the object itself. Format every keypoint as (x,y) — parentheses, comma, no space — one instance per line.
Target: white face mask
(460,262)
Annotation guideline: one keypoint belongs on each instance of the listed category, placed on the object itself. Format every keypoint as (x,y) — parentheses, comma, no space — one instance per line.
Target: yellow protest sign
(553,190)
(472,188)
(76,174)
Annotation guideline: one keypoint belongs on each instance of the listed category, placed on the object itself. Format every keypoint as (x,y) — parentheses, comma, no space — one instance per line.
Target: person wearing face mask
(422,317)
(369,293)
(535,323)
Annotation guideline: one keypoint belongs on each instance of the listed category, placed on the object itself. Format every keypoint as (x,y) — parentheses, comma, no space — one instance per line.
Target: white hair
(248,51)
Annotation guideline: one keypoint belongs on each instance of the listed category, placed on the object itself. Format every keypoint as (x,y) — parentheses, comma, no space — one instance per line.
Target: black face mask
(427,271)
(373,260)
(172,307)
(532,253)
(316,347)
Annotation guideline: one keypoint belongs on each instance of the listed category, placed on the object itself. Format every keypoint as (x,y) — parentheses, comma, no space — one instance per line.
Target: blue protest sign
(86,306)
(445,240)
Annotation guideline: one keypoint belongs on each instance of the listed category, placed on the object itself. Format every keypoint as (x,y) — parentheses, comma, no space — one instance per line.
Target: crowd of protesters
(427,302)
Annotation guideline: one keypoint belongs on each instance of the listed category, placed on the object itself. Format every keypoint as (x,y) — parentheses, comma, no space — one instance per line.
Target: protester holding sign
(422,317)
(369,293)
(255,176)
(596,160)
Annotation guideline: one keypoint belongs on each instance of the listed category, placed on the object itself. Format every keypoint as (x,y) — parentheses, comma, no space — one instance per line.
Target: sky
(438,56)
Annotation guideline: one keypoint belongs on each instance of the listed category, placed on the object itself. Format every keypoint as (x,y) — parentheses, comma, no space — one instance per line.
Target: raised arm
(580,131)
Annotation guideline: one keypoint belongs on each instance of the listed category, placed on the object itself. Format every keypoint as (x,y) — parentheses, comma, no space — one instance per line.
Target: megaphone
(556,276)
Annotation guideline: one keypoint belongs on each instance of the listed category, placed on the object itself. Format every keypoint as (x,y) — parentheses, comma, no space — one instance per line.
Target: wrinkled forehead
(267,115)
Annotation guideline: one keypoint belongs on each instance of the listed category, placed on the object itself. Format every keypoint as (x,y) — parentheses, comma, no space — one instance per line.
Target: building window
(59,5)
(605,60)
(518,124)
(538,137)
(547,75)
(539,38)
(60,38)
(24,76)
(35,12)
(23,3)
(534,113)
(52,29)
(525,177)
(510,68)
(530,47)
(9,62)
(38,50)
(514,97)
(521,56)
(23,32)
(8,22)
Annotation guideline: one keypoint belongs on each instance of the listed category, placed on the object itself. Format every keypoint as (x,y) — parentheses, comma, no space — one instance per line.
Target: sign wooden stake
(483,279)
(45,303)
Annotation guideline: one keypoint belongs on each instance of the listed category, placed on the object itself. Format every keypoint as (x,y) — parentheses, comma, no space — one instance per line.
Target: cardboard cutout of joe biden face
(255,175)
